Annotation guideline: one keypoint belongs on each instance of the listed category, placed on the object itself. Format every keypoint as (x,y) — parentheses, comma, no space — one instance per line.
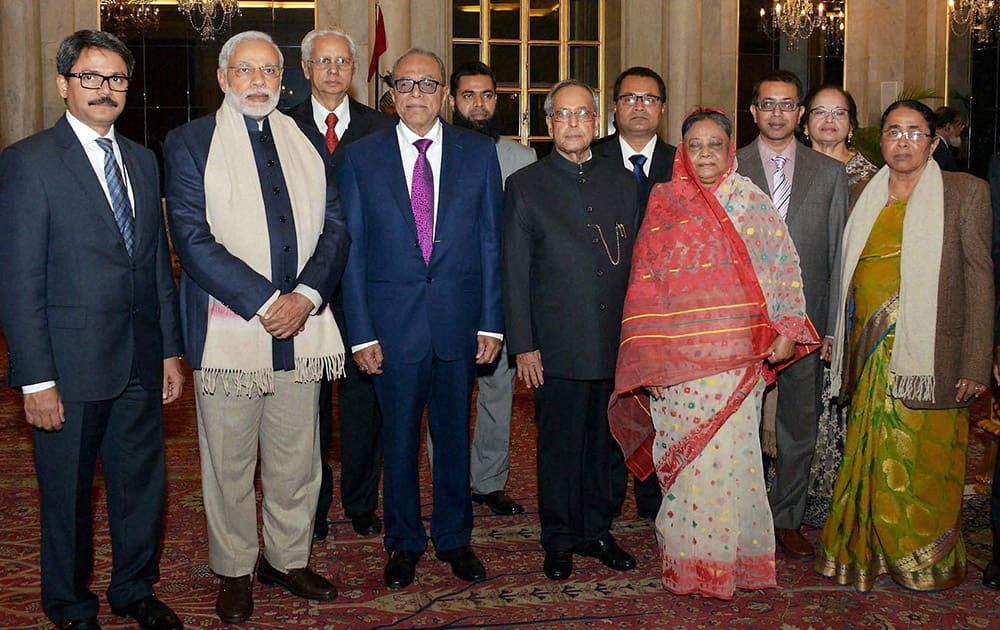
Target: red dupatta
(695,304)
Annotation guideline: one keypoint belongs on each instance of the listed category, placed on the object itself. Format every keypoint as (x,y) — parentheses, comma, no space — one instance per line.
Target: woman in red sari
(714,304)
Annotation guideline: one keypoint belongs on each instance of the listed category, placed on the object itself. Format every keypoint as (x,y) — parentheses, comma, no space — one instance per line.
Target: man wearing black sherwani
(569,224)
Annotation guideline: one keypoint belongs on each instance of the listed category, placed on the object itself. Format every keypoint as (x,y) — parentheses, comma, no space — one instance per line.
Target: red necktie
(331,132)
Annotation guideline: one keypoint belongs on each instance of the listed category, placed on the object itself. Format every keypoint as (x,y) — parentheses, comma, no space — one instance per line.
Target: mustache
(104,100)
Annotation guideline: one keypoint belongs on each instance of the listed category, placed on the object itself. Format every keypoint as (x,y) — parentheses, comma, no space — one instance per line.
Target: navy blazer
(75,307)
(390,294)
(209,268)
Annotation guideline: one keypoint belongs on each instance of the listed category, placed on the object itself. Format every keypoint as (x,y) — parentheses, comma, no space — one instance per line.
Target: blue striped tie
(781,190)
(119,196)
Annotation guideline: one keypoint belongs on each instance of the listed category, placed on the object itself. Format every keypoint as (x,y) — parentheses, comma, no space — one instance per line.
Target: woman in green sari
(912,349)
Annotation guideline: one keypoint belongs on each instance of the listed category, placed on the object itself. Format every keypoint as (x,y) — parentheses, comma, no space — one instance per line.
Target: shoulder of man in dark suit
(607,146)
(372,119)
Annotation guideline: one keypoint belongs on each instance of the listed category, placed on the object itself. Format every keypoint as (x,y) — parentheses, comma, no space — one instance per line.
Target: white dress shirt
(343,112)
(628,151)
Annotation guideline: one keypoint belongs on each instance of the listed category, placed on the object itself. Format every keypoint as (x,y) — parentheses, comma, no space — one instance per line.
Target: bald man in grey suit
(809,190)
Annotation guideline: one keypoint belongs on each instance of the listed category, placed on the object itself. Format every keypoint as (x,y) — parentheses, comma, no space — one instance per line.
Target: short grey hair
(565,84)
(423,53)
(246,36)
(307,41)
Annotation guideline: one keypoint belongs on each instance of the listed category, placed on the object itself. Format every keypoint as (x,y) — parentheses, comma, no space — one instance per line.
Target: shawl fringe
(912,387)
(312,369)
(236,382)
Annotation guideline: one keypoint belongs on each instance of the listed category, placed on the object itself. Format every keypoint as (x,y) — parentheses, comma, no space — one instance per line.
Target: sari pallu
(898,498)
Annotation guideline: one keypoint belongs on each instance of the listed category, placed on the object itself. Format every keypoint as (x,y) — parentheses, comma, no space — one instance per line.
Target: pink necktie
(422,199)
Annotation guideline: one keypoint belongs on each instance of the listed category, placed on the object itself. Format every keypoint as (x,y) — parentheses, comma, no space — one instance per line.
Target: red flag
(379,46)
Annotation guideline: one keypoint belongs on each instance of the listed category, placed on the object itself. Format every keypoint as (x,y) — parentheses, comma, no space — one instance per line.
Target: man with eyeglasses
(809,190)
(257,226)
(473,99)
(333,120)
(423,302)
(570,221)
(640,99)
(89,310)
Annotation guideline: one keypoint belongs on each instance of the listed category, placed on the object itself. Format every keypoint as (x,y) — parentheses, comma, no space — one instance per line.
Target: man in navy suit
(333,120)
(422,295)
(259,232)
(89,309)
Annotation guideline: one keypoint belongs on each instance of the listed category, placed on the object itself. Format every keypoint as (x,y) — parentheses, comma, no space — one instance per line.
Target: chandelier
(981,16)
(795,19)
(119,15)
(209,17)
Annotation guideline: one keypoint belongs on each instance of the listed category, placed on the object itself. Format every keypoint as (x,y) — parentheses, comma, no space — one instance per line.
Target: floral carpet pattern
(516,593)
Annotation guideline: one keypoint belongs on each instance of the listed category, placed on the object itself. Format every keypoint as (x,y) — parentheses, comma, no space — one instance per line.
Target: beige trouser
(230,428)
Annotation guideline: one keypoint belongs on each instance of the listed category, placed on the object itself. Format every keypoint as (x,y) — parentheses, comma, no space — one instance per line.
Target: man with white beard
(257,225)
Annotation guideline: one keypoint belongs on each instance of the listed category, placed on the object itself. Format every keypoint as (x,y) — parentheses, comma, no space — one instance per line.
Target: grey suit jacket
(513,157)
(817,213)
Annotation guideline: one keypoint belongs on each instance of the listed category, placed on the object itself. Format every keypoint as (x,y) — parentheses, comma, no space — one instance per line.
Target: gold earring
(850,136)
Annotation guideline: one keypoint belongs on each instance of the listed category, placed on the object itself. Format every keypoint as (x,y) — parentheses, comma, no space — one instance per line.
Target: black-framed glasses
(769,105)
(328,63)
(564,114)
(94,81)
(913,135)
(246,70)
(646,99)
(405,86)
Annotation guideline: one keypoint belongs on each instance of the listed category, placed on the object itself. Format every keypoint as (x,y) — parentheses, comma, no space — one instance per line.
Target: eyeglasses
(913,135)
(647,99)
(329,63)
(836,113)
(405,86)
(564,114)
(697,146)
(244,70)
(94,81)
(768,105)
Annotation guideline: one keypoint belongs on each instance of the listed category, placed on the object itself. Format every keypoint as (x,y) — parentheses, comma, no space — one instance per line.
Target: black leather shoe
(464,564)
(234,603)
(608,552)
(366,523)
(321,530)
(400,569)
(90,623)
(558,565)
(151,614)
(302,582)
(991,574)
(499,503)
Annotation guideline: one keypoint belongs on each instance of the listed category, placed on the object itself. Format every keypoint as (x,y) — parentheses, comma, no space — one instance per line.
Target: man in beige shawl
(261,238)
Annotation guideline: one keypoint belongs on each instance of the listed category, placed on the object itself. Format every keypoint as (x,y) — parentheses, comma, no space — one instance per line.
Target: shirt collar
(87,134)
(409,136)
(628,151)
(341,110)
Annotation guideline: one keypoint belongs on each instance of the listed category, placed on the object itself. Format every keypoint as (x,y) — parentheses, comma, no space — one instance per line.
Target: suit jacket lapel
(397,182)
(752,167)
(75,159)
(662,166)
(450,150)
(358,126)
(805,166)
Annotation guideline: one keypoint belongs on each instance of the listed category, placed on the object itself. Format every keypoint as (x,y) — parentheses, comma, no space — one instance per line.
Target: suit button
(582,180)
(600,272)
(276,190)
(270,162)
(287,248)
(135,311)
(603,307)
(595,240)
(282,218)
(590,208)
(416,243)
(429,279)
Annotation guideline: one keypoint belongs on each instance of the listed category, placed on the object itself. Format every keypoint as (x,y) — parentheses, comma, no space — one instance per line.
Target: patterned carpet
(515,595)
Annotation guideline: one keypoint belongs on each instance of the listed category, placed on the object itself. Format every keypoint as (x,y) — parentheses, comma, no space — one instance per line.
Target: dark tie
(331,132)
(638,160)
(119,196)
(422,199)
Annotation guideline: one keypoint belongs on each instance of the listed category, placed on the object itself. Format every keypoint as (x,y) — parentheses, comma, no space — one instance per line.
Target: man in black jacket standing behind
(332,119)
(569,224)
(640,98)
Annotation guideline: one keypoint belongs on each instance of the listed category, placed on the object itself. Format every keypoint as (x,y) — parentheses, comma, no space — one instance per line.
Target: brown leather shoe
(235,601)
(302,582)
(794,544)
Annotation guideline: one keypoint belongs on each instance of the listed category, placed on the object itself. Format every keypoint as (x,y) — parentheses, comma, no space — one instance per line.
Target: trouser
(230,429)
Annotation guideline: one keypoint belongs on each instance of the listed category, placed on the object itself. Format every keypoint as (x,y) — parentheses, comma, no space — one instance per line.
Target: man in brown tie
(332,119)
